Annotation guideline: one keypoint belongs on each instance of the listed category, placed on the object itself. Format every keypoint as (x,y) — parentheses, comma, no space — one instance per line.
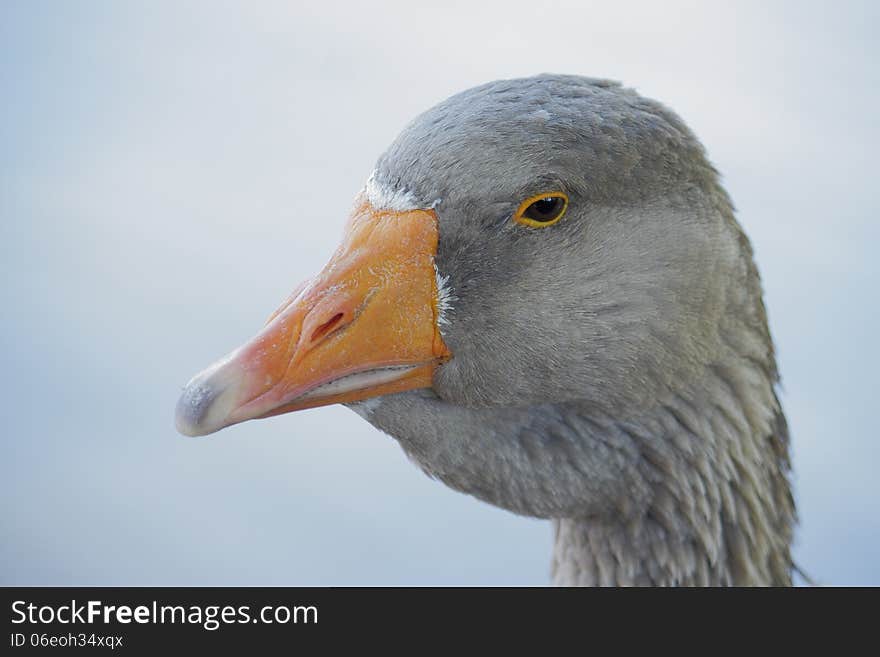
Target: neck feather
(720,509)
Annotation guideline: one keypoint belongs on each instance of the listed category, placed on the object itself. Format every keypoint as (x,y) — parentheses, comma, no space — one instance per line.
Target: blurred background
(170,170)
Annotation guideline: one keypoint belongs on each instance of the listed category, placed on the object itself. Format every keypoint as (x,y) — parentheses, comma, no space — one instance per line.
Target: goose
(544,296)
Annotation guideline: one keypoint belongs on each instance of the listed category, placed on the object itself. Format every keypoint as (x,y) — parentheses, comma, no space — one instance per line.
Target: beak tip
(192,415)
(190,410)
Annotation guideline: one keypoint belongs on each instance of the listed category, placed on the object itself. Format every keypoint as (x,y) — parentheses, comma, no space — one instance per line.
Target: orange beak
(367,325)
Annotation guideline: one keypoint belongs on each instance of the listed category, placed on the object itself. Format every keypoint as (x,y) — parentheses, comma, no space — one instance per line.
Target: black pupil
(545,209)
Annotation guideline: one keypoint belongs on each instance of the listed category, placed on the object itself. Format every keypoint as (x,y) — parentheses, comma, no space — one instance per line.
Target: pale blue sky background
(170,170)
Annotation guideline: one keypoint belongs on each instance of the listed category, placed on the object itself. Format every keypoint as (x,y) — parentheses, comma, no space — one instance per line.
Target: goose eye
(542,210)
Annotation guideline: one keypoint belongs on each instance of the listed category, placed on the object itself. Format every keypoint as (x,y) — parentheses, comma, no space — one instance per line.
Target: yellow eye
(541,210)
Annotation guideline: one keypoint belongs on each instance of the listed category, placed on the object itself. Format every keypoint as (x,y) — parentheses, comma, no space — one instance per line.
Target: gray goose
(543,294)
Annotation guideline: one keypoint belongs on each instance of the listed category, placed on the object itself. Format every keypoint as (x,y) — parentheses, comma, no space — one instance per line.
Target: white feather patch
(383,197)
(445,297)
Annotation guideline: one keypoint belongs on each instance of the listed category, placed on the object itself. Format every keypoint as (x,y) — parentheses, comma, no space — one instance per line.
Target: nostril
(325,328)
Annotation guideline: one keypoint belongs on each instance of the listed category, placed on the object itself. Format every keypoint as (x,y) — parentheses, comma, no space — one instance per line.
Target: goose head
(542,288)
